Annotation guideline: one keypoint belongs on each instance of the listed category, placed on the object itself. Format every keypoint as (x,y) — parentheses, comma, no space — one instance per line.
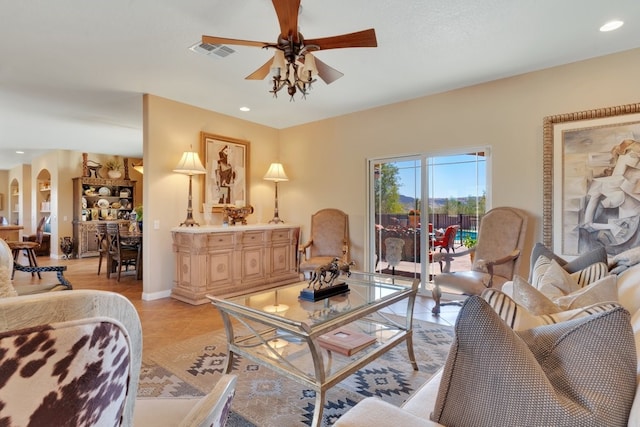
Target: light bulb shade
(277,66)
(309,65)
(276,173)
(190,164)
(139,167)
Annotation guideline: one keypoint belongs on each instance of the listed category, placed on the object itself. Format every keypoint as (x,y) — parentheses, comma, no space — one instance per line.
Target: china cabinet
(97,199)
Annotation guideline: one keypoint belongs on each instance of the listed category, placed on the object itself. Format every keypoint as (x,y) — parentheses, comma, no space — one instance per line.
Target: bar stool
(30,250)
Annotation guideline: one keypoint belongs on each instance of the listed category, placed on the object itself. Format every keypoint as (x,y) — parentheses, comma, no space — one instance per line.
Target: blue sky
(452,176)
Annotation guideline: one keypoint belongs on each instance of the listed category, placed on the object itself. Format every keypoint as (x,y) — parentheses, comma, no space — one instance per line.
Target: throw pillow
(6,287)
(539,302)
(556,281)
(575,373)
(519,317)
(625,259)
(595,255)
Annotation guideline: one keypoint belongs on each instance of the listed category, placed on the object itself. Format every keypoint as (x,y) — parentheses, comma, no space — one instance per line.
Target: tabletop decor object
(276,174)
(190,164)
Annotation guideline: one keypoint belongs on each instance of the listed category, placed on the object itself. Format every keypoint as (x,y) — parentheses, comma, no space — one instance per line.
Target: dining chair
(103,244)
(119,254)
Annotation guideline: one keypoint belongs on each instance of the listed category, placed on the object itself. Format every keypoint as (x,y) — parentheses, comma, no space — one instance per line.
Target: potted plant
(414,218)
(469,242)
(138,211)
(114,168)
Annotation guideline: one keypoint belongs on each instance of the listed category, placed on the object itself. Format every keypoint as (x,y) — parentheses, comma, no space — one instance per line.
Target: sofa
(418,408)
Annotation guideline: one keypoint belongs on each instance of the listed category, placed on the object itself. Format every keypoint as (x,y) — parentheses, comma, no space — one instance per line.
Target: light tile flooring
(167,321)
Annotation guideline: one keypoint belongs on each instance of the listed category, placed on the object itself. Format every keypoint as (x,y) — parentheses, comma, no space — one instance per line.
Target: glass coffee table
(277,329)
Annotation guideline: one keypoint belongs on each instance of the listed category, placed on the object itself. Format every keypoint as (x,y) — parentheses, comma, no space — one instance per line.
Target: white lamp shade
(277,66)
(139,168)
(276,173)
(309,65)
(190,164)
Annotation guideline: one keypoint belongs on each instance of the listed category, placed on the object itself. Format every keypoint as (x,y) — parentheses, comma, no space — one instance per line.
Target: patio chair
(88,345)
(497,256)
(447,240)
(329,238)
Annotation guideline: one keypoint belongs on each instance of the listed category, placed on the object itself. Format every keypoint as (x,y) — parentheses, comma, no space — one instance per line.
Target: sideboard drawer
(280,235)
(252,237)
(218,240)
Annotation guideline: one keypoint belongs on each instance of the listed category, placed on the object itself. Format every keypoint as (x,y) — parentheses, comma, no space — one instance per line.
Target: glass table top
(365,289)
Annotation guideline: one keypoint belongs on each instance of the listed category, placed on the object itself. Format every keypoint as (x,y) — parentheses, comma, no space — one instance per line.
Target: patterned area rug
(265,398)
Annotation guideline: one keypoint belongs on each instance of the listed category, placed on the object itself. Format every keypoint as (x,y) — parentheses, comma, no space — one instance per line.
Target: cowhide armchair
(73,359)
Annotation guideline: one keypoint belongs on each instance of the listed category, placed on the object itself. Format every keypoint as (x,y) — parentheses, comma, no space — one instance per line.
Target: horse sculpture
(333,269)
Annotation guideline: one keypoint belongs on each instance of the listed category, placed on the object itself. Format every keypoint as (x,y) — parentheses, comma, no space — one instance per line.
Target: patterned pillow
(519,317)
(73,373)
(557,282)
(596,255)
(576,373)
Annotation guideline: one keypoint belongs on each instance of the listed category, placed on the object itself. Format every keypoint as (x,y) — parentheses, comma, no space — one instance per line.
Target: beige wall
(326,161)
(170,129)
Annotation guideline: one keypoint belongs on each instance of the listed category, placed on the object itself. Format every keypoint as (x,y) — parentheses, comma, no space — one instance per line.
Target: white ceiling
(72,72)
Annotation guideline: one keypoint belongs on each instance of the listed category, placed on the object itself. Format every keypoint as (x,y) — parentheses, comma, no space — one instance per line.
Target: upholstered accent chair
(496,256)
(75,361)
(329,238)
(8,266)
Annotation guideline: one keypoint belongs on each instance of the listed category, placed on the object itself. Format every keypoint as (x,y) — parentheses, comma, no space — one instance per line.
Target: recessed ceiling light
(19,152)
(611,25)
(245,109)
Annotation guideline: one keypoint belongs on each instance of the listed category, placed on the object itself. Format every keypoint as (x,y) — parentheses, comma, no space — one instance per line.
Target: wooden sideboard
(234,260)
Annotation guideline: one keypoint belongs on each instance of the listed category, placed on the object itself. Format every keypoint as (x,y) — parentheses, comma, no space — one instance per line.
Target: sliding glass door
(412,202)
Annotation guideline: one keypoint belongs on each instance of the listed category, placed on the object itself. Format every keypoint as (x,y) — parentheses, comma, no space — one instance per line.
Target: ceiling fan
(293,66)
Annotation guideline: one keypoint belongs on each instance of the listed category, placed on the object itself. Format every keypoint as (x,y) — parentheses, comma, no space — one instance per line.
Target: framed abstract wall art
(227,178)
(592,180)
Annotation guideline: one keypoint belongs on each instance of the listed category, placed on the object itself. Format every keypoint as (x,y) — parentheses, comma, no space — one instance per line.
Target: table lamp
(190,164)
(276,174)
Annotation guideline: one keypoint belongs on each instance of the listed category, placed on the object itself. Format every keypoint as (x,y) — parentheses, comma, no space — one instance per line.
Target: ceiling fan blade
(261,72)
(287,11)
(327,73)
(223,40)
(364,38)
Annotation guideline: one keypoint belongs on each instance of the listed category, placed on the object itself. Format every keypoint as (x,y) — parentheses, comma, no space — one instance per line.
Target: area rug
(265,398)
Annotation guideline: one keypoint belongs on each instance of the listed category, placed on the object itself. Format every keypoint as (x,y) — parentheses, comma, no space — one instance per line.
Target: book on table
(345,341)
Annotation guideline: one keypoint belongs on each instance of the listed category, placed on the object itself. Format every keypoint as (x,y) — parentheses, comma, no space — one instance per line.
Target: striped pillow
(520,318)
(556,281)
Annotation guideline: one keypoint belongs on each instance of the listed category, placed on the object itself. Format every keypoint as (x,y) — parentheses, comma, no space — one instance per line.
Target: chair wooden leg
(99,263)
(31,254)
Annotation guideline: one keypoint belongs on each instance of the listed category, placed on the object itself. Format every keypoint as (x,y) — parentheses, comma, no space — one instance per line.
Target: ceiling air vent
(219,50)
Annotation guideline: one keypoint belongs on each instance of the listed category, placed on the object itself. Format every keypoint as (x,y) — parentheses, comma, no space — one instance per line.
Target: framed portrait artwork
(592,180)
(227,164)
